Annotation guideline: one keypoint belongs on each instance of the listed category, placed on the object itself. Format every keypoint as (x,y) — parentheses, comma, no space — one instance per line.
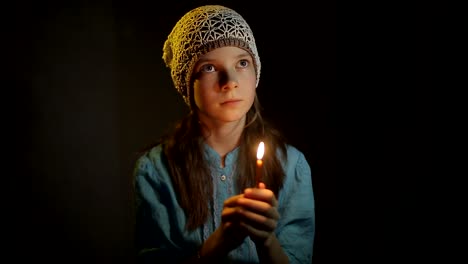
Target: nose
(229,80)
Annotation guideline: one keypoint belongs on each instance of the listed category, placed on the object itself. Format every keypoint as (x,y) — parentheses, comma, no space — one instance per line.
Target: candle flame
(260,150)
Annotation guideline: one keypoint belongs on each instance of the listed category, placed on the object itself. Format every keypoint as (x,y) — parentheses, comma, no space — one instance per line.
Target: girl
(197,197)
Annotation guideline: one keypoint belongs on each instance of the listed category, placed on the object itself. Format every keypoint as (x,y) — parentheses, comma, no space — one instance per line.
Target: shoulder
(295,162)
(294,155)
(297,187)
(293,151)
(151,155)
(151,162)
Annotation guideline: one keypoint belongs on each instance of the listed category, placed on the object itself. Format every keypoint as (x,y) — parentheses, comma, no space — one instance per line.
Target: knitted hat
(199,31)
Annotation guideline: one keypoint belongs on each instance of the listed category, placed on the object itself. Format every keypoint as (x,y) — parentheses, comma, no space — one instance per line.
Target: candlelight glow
(260,150)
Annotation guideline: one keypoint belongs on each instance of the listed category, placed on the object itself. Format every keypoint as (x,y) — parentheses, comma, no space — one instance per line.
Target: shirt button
(223,177)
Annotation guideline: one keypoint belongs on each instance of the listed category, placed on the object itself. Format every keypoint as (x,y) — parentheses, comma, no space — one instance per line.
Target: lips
(230,101)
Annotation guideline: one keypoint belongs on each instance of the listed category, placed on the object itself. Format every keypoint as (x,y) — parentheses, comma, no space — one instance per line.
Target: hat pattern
(199,31)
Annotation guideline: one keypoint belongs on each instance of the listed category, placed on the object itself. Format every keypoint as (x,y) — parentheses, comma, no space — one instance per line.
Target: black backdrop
(93,90)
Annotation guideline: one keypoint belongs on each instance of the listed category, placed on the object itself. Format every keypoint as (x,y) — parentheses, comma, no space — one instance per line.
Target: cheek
(196,92)
(252,82)
(200,94)
(251,79)
(252,97)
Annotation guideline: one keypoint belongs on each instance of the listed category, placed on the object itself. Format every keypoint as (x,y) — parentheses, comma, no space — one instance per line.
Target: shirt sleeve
(159,220)
(296,227)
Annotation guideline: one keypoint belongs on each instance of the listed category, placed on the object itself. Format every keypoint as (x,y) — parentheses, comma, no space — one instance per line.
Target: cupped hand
(230,233)
(258,211)
(253,213)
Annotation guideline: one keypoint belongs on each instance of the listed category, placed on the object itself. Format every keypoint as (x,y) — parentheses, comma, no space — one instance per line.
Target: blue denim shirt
(160,221)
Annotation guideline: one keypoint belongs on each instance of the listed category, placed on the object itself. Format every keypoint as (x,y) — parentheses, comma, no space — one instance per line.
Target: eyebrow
(240,56)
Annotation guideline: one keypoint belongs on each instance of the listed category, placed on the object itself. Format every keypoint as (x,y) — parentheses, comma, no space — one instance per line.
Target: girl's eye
(244,63)
(207,68)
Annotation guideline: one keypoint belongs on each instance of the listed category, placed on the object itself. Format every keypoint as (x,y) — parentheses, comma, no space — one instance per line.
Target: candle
(259,172)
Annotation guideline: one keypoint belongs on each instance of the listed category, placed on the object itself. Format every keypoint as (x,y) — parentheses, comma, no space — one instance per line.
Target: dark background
(92,90)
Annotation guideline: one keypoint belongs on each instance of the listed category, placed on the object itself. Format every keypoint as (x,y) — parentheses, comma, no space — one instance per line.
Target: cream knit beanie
(199,31)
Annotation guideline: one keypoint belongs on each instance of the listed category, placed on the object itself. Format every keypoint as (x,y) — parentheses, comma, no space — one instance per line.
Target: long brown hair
(190,174)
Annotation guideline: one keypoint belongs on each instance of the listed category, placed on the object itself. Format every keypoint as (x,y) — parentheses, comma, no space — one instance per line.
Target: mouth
(231,101)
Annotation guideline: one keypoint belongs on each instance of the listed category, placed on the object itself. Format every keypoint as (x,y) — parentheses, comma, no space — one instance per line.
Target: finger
(258,221)
(257,192)
(231,214)
(261,185)
(265,195)
(232,201)
(259,207)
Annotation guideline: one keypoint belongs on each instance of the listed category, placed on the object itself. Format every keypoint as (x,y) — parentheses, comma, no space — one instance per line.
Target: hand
(253,213)
(229,235)
(258,209)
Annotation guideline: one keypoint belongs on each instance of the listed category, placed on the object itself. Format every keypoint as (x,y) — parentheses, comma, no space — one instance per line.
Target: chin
(232,118)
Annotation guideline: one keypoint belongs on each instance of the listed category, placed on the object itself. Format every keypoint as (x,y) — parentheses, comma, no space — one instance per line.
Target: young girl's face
(224,85)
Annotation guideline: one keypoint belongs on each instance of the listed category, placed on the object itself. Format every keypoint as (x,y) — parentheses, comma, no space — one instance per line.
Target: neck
(223,138)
